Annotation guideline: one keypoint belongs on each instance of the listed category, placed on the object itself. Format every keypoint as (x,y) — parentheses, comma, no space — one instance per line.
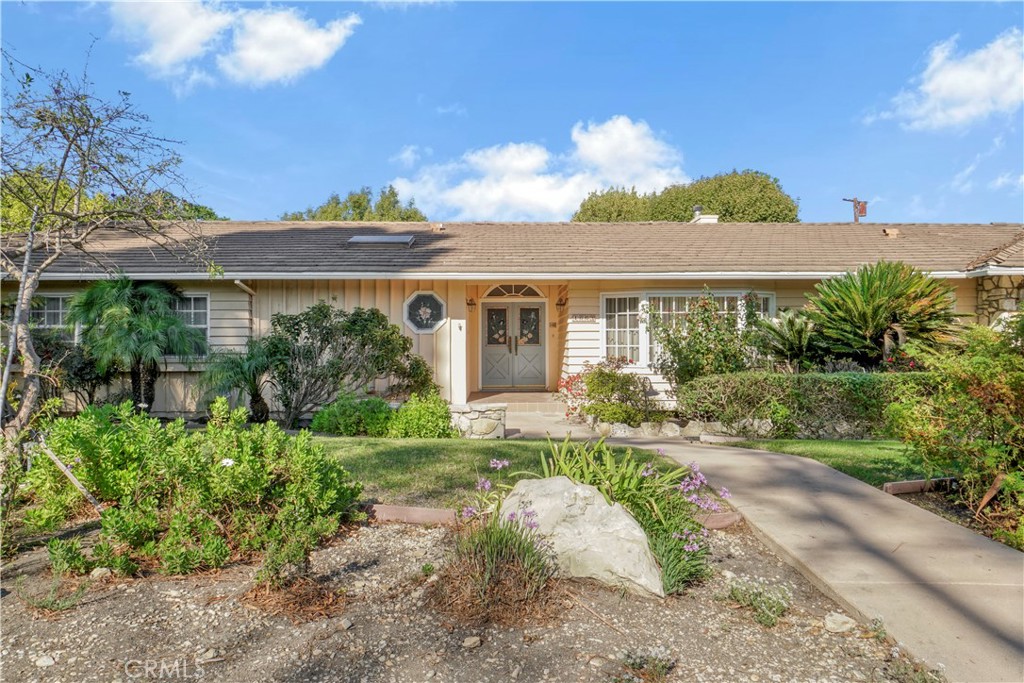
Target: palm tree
(789,337)
(248,372)
(134,325)
(867,314)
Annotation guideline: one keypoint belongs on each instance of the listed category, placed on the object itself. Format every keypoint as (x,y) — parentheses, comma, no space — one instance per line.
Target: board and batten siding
(444,350)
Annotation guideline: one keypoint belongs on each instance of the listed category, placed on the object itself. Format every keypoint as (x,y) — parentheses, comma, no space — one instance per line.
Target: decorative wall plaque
(425,312)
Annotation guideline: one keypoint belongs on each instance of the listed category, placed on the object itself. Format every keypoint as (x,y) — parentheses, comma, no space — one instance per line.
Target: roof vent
(891,233)
(382,241)
(437,227)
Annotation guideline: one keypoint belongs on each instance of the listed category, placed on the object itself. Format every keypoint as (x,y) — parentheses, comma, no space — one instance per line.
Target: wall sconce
(471,304)
(561,304)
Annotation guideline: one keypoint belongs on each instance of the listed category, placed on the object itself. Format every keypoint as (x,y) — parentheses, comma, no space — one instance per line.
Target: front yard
(434,472)
(873,462)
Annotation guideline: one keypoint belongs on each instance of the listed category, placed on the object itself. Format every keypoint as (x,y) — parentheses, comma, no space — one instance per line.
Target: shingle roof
(285,250)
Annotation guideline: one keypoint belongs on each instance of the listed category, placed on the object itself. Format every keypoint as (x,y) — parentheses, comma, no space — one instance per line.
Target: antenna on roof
(860,209)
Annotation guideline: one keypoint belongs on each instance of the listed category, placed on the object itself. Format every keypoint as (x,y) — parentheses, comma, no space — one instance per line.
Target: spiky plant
(788,337)
(867,314)
(248,372)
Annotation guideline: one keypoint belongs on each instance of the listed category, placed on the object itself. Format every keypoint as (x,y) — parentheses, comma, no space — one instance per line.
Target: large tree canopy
(736,197)
(361,206)
(73,163)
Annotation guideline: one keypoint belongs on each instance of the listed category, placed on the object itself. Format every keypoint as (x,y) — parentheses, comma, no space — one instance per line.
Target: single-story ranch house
(499,307)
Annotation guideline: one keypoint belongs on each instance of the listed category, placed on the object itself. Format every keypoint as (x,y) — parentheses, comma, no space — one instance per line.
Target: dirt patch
(202,627)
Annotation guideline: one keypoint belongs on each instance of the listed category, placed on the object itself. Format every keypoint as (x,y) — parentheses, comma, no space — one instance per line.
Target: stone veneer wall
(998,294)
(480,421)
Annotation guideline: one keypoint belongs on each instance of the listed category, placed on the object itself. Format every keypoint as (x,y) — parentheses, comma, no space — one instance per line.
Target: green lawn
(432,472)
(874,462)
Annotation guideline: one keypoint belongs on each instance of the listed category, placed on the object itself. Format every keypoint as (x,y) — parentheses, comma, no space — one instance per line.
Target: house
(498,307)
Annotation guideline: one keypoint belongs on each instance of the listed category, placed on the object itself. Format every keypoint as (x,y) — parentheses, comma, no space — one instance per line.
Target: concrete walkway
(949,596)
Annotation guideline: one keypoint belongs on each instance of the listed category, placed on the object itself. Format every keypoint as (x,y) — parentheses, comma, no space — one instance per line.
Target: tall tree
(133,325)
(736,197)
(73,164)
(361,206)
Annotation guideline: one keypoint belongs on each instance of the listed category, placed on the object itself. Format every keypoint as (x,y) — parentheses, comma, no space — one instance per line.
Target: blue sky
(488,111)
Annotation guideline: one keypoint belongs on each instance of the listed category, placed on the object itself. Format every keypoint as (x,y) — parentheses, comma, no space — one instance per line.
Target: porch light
(471,304)
(561,304)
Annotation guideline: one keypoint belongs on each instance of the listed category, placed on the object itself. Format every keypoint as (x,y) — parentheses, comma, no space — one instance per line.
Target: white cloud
(962,182)
(268,45)
(1004,180)
(409,155)
(526,181)
(955,91)
(274,45)
(174,33)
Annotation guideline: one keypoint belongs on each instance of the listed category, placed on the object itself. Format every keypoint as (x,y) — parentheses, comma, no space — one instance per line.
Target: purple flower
(531,524)
(724,493)
(512,516)
(499,464)
(529,514)
(661,451)
(691,547)
(468,511)
(483,484)
(648,470)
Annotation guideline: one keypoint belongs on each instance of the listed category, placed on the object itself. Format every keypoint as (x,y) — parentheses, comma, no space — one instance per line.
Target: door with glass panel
(513,354)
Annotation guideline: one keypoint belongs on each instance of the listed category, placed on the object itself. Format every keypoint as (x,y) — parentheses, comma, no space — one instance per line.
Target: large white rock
(590,538)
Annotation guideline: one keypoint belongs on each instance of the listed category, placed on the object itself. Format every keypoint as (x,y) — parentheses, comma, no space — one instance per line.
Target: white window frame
(66,297)
(644,361)
(198,295)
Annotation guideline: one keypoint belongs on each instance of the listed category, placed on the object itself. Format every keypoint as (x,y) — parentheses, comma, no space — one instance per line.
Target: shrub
(867,314)
(704,341)
(769,602)
(971,421)
(809,405)
(664,502)
(422,417)
(190,500)
(347,416)
(322,348)
(609,393)
(248,373)
(497,571)
(788,338)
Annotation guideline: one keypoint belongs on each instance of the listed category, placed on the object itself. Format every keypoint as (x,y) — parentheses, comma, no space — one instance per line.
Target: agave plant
(869,313)
(248,372)
(789,337)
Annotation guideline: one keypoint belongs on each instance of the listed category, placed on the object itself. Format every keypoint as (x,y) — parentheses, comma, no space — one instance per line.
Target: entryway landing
(543,402)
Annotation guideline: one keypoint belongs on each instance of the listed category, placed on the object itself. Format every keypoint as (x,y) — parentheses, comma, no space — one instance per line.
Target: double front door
(513,352)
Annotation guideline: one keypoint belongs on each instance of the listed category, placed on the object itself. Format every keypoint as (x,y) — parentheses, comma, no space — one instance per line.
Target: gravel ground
(196,627)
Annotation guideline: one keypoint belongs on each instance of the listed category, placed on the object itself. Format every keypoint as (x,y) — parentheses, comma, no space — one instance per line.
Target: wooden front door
(512,341)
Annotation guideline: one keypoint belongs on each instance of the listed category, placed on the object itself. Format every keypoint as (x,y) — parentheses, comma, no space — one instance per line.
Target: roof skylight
(382,241)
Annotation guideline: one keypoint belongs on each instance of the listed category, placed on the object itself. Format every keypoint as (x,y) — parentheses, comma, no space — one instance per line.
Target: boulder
(670,428)
(603,429)
(693,429)
(839,623)
(590,538)
(650,428)
(622,429)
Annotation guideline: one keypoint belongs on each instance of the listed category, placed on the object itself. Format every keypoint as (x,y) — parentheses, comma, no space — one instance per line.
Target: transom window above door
(513,291)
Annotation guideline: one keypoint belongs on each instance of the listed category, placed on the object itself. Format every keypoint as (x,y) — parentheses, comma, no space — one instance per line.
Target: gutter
(515,275)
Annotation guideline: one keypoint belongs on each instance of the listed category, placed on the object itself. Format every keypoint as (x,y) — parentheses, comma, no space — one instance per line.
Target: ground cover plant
(767,601)
(873,462)
(350,416)
(181,501)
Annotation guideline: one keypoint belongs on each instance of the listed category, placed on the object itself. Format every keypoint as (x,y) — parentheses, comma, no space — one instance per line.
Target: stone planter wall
(998,295)
(480,421)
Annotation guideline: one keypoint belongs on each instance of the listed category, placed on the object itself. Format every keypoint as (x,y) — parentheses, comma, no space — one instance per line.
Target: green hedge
(811,405)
